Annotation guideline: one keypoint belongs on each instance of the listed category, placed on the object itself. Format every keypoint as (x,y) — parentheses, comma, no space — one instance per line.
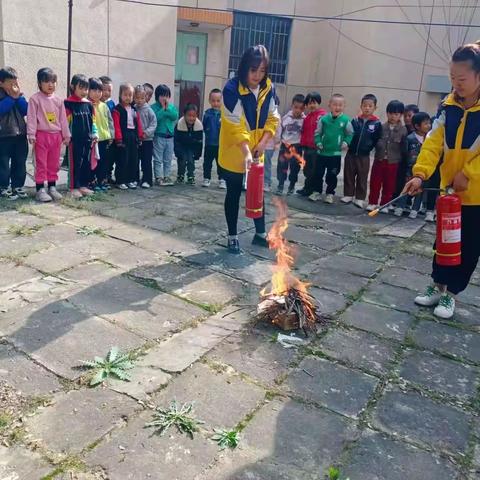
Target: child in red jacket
(307,141)
(128,135)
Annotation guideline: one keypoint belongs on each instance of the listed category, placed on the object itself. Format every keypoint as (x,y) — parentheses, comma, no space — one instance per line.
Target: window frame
(262,29)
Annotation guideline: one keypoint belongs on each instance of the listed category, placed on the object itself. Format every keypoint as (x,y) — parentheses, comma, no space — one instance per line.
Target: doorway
(190,60)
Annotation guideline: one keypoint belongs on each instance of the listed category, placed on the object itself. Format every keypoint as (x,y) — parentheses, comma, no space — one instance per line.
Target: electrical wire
(443,56)
(379,52)
(425,56)
(471,20)
(313,17)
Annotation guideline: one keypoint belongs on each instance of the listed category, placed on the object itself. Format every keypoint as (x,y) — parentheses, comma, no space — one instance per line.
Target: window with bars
(254,29)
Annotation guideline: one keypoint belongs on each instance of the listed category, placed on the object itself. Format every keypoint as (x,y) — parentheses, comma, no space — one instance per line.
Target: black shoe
(191,181)
(233,246)
(180,180)
(260,241)
(303,193)
(279,190)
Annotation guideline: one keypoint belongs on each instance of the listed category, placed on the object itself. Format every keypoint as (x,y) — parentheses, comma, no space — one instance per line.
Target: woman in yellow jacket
(249,120)
(456,135)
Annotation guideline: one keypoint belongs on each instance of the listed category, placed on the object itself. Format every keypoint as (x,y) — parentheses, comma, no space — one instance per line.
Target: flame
(291,151)
(282,278)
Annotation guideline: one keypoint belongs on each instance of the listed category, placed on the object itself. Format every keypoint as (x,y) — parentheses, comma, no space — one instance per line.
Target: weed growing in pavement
(227,438)
(28,210)
(334,474)
(88,230)
(113,365)
(180,416)
(24,230)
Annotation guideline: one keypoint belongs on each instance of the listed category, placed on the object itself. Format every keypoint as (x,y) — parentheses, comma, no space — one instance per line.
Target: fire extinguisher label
(451,228)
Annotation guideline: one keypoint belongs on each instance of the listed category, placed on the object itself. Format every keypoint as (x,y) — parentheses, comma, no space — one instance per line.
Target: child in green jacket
(167,116)
(334,133)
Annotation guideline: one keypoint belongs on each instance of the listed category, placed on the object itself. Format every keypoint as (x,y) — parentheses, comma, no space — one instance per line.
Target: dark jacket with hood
(367,132)
(12,113)
(188,140)
(413,151)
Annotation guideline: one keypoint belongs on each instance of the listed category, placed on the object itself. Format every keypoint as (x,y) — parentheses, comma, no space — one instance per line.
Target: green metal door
(190,62)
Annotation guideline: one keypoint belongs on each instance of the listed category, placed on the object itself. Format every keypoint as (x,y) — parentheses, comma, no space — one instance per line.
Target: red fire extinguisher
(449,230)
(254,195)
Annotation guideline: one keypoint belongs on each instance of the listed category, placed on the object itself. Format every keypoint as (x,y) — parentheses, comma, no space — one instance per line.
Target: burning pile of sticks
(288,304)
(290,311)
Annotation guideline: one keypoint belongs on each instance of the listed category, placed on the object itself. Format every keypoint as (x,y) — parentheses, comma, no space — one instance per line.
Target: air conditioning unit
(438,84)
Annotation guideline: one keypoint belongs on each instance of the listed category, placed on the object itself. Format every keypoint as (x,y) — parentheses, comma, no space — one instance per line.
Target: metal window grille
(254,29)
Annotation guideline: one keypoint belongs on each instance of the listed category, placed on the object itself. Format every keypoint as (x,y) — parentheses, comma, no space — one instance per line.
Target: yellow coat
(456,135)
(244,119)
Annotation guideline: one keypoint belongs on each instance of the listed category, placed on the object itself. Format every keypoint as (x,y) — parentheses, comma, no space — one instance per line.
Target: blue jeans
(162,156)
(268,167)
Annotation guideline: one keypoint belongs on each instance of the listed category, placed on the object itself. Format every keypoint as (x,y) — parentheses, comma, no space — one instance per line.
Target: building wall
(355,58)
(136,42)
(129,42)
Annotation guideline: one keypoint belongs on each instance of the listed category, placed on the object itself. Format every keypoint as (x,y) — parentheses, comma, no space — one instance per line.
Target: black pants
(457,278)
(112,154)
(310,155)
(401,179)
(284,164)
(186,162)
(101,171)
(145,152)
(232,203)
(330,165)
(13,159)
(80,164)
(209,155)
(126,169)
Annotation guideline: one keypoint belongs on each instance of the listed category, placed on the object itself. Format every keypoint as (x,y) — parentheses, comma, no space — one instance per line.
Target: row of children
(102,138)
(321,137)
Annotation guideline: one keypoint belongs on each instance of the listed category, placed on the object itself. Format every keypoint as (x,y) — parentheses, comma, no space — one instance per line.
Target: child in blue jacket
(211,127)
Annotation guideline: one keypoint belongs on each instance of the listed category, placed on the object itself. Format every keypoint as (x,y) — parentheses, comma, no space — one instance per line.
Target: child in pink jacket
(47,129)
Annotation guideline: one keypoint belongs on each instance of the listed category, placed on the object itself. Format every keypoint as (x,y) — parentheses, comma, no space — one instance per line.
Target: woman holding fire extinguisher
(249,120)
(456,135)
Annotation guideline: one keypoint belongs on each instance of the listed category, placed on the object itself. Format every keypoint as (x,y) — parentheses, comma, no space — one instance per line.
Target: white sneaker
(54,193)
(132,185)
(398,212)
(267,188)
(315,197)
(430,298)
(145,185)
(122,186)
(430,216)
(328,198)
(359,203)
(86,192)
(413,214)
(371,207)
(43,196)
(76,193)
(222,184)
(206,182)
(446,307)
(346,199)
(385,211)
